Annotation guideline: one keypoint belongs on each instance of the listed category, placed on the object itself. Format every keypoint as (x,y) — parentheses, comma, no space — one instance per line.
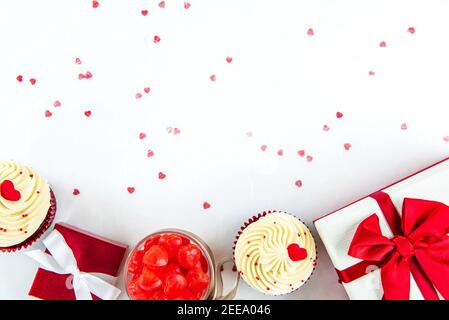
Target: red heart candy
(8,191)
(296,253)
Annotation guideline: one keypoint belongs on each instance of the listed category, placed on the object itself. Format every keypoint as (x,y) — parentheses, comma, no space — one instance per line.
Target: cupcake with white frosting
(275,253)
(27,206)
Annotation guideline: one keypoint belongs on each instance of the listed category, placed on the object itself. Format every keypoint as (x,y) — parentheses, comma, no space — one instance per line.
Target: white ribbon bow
(62,261)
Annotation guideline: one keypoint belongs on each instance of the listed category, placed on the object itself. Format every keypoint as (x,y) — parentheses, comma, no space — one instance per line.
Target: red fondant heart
(8,191)
(296,253)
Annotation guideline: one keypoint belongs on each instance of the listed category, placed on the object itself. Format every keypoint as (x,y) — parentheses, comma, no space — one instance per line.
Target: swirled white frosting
(20,219)
(262,258)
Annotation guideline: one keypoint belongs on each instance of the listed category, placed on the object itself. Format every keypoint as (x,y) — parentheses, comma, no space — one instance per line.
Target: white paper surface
(283,86)
(337,229)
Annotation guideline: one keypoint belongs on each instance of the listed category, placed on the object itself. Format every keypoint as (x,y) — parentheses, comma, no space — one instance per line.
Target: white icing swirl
(262,258)
(20,219)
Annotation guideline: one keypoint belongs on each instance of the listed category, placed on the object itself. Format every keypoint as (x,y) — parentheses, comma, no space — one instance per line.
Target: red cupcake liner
(254,219)
(40,231)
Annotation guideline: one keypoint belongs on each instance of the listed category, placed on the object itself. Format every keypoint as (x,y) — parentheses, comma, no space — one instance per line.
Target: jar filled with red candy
(172,264)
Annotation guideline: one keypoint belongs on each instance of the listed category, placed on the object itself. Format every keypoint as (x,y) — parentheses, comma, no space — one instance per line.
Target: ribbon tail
(45,261)
(82,291)
(395,275)
(102,289)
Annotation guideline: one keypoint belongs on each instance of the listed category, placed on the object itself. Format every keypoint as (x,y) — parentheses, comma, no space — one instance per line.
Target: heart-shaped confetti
(144,12)
(150,153)
(33,81)
(78,61)
(298,183)
(371,73)
(263,147)
(176,131)
(411,30)
(309,158)
(19,78)
(75,192)
(187,5)
(301,153)
(213,77)
(404,126)
(131,189)
(88,113)
(228,59)
(310,32)
(280,152)
(339,115)
(383,44)
(147,89)
(161,175)
(95,4)
(8,191)
(138,95)
(57,104)
(161,4)
(142,135)
(296,253)
(206,205)
(326,127)
(48,113)
(156,39)
(347,146)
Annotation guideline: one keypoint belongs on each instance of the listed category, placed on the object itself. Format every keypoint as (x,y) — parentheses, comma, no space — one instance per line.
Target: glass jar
(215,288)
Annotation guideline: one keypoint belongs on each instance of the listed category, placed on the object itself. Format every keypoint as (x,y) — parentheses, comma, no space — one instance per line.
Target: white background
(282,85)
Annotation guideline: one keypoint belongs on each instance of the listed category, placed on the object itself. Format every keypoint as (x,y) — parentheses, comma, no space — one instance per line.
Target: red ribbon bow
(420,246)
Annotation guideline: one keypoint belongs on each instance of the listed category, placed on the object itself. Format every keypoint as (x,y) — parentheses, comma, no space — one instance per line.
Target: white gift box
(337,228)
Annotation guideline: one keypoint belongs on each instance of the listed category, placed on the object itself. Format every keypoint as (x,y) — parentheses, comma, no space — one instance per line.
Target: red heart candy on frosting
(8,191)
(296,253)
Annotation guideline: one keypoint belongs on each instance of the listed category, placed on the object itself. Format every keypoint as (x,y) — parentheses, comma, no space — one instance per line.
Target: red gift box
(93,254)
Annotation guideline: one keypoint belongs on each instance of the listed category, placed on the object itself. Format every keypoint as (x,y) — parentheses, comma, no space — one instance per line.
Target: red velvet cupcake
(27,206)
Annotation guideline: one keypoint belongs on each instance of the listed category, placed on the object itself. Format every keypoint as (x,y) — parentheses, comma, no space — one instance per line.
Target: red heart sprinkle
(95,4)
(57,104)
(131,189)
(404,126)
(33,81)
(75,192)
(142,135)
(138,95)
(206,205)
(213,77)
(310,32)
(326,127)
(88,75)
(19,78)
(161,175)
(150,153)
(298,183)
(48,113)
(228,59)
(176,131)
(156,39)
(411,30)
(8,191)
(280,152)
(383,44)
(296,253)
(309,158)
(301,153)
(147,90)
(371,73)
(339,115)
(162,4)
(347,146)
(78,61)
(186,5)
(263,147)
(144,12)
(81,76)
(88,113)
